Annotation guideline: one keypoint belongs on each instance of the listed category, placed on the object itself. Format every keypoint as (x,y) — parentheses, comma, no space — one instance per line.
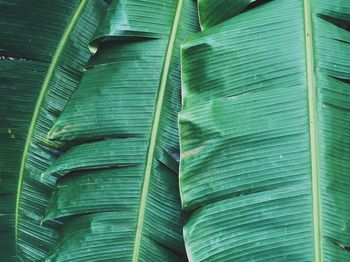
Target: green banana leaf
(117,193)
(264,131)
(43,48)
(214,12)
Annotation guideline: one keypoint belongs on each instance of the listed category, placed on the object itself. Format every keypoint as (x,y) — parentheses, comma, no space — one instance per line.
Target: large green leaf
(117,192)
(265,134)
(215,12)
(43,47)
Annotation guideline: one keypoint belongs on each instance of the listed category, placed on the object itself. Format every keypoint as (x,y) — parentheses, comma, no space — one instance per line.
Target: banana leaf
(117,193)
(264,133)
(43,48)
(214,12)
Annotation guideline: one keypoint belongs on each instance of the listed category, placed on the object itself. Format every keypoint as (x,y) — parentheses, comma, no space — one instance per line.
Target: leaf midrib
(154,131)
(38,106)
(311,83)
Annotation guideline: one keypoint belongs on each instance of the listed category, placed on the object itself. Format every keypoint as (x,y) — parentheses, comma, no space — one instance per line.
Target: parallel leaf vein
(154,132)
(313,130)
(41,98)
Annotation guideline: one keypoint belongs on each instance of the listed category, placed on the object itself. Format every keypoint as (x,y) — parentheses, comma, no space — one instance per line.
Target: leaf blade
(246,72)
(120,105)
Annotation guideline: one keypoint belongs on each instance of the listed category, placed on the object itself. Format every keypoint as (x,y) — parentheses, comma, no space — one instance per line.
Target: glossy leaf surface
(264,134)
(117,193)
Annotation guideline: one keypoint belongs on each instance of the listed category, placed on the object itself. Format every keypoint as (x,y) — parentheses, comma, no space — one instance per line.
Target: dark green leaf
(43,47)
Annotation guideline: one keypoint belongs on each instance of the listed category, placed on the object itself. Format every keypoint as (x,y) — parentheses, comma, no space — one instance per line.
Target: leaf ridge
(154,130)
(311,83)
(40,100)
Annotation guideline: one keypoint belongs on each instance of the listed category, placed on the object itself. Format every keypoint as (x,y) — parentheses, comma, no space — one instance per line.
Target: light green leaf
(265,133)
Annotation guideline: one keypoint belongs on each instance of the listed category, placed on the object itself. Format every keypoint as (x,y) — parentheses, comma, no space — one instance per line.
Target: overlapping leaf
(117,193)
(43,47)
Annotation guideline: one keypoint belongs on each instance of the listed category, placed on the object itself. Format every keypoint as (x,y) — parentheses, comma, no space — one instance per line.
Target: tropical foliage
(89,153)
(103,183)
(117,192)
(42,55)
(265,132)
